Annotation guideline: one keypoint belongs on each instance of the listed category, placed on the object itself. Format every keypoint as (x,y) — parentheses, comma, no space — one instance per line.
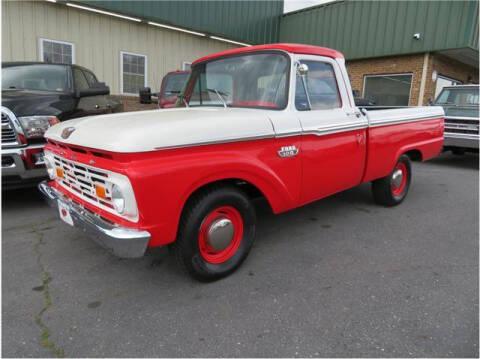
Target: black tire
(186,247)
(383,190)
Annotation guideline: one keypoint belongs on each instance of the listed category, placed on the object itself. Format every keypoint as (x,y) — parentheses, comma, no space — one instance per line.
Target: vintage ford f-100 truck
(272,120)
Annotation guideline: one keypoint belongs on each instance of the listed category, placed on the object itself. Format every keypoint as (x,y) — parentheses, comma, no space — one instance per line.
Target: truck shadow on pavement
(18,198)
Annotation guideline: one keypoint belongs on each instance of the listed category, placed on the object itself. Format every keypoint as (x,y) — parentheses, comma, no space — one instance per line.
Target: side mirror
(302,69)
(145,95)
(97,89)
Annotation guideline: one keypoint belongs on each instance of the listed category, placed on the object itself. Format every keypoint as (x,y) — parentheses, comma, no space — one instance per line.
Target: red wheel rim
(220,234)
(399,186)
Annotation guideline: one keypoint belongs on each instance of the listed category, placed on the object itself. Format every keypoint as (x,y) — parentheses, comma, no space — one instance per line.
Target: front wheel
(392,189)
(216,233)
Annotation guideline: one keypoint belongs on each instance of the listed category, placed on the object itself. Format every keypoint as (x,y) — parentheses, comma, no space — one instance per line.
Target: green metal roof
(254,22)
(362,29)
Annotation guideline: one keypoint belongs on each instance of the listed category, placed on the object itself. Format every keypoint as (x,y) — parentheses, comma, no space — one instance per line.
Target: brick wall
(448,68)
(413,64)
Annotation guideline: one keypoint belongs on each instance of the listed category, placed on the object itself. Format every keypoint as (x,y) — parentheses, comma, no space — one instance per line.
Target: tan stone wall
(413,64)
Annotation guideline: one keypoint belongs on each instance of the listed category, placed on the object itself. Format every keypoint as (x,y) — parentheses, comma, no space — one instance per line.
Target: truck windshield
(250,80)
(467,96)
(36,77)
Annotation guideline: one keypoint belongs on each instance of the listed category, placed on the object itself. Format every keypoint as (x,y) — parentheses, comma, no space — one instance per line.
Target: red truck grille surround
(83,181)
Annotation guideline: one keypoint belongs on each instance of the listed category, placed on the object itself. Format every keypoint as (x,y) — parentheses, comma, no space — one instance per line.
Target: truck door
(333,148)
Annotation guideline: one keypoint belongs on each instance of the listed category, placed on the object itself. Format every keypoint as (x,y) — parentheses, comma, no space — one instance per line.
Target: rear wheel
(216,233)
(392,189)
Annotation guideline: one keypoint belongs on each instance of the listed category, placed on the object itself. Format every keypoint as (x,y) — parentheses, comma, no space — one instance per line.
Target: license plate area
(64,213)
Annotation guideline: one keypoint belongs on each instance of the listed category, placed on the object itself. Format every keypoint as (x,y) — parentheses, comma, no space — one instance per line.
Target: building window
(133,73)
(186,66)
(388,90)
(59,52)
(443,81)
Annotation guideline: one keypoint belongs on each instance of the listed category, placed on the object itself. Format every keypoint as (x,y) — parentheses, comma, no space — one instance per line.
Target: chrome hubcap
(220,234)
(397,178)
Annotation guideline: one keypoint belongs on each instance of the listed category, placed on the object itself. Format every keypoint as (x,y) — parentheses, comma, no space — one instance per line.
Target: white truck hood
(161,129)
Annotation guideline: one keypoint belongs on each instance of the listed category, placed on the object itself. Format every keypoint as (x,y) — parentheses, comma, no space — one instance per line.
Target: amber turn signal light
(100,191)
(59,172)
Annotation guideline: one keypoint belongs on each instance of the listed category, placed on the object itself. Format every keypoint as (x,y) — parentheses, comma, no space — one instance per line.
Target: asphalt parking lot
(340,277)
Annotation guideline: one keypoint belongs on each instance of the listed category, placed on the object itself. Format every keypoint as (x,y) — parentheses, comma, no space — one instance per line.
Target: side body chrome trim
(400,121)
(320,131)
(206,143)
(327,130)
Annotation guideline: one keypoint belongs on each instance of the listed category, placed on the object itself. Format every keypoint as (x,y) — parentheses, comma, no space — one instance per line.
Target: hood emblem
(67,131)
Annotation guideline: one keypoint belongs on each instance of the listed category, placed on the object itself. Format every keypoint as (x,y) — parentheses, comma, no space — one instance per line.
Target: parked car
(277,121)
(36,96)
(460,104)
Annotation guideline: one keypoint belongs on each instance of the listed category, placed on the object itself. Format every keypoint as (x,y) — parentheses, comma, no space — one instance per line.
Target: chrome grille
(9,136)
(462,125)
(82,180)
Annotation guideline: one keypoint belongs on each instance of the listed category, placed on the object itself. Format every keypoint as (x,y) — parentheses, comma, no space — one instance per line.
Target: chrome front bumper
(15,173)
(121,241)
(462,140)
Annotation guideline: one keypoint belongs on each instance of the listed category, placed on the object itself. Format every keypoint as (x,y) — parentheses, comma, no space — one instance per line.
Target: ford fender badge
(288,151)
(67,131)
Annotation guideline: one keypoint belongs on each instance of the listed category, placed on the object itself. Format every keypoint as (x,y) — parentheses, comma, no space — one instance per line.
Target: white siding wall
(98,40)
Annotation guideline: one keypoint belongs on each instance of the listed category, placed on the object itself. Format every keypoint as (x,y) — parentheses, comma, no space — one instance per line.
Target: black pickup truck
(35,96)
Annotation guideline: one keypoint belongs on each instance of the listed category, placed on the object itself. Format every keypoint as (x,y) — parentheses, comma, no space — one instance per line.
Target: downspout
(424,79)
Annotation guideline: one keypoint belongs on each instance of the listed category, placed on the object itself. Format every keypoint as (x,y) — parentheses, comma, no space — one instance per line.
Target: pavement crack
(47,300)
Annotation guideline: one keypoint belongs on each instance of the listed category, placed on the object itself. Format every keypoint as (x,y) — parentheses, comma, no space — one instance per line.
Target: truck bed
(392,132)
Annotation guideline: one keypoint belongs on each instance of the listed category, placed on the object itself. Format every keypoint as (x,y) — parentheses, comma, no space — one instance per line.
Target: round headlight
(50,168)
(117,199)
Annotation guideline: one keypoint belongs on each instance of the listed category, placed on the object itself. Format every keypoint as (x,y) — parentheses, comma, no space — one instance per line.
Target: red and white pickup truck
(277,121)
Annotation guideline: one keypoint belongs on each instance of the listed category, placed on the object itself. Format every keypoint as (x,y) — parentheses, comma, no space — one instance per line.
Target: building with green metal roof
(397,52)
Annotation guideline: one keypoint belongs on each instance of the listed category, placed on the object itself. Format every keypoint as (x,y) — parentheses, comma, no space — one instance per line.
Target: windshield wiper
(220,95)
(182,97)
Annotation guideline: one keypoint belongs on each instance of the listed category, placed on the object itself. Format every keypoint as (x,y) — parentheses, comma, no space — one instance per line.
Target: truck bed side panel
(394,132)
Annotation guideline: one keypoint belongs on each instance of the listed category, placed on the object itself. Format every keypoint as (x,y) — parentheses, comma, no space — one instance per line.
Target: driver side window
(321,86)
(79,80)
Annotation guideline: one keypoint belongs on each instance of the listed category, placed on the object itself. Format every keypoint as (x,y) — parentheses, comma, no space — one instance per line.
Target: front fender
(163,185)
